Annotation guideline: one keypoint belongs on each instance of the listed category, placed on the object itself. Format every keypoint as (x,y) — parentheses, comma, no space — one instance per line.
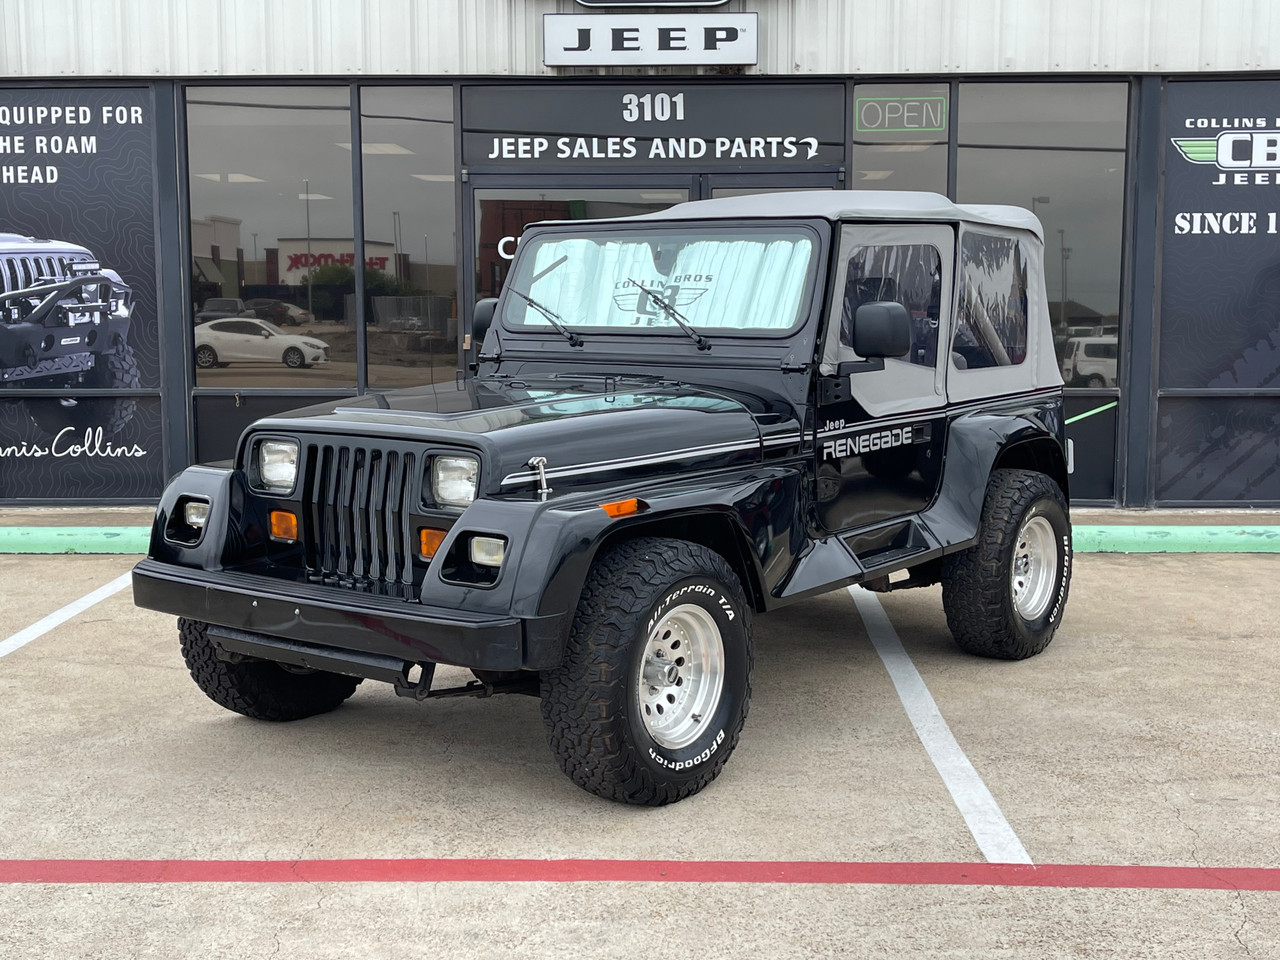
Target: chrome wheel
(1035,567)
(681,675)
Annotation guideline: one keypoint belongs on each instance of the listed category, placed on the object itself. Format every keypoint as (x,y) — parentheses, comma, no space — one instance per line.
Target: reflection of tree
(331,283)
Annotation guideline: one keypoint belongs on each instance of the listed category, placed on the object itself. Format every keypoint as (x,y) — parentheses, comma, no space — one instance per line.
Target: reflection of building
(216,257)
(293,257)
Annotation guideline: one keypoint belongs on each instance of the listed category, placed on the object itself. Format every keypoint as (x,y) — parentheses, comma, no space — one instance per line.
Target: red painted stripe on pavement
(639,871)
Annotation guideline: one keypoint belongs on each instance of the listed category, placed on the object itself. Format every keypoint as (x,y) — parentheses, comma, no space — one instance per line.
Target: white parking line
(58,617)
(982,815)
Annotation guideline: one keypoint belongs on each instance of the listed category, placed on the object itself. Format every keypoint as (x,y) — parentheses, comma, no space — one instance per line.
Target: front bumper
(342,619)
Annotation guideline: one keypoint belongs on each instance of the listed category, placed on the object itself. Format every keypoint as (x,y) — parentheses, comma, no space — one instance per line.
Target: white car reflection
(243,339)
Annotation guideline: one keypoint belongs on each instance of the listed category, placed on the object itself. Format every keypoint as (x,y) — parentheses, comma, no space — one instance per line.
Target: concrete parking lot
(1146,736)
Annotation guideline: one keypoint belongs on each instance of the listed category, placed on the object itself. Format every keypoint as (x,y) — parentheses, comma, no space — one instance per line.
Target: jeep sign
(609,40)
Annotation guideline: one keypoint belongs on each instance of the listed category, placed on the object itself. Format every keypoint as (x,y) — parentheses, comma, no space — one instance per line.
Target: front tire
(1004,596)
(258,688)
(655,684)
(294,359)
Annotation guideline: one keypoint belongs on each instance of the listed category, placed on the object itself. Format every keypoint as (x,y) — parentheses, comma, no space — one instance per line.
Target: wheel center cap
(660,672)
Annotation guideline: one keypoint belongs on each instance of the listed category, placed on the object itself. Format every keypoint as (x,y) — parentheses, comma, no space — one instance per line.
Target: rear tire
(655,684)
(258,688)
(1004,596)
(206,357)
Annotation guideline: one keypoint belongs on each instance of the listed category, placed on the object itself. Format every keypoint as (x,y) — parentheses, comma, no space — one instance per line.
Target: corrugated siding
(284,38)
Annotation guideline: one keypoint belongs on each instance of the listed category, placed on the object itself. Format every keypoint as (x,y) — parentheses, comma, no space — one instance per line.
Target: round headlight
(277,465)
(453,480)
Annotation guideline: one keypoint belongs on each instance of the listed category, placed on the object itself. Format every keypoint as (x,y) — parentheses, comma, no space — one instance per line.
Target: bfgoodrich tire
(656,680)
(257,688)
(1004,596)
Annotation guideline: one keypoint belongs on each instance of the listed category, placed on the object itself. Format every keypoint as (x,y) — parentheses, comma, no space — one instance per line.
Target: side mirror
(882,329)
(482,319)
(266,334)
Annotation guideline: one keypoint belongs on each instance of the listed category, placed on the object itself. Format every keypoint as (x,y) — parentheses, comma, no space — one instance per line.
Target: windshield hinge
(790,364)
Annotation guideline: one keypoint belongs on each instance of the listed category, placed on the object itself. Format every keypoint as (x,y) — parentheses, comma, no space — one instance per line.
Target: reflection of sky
(249,159)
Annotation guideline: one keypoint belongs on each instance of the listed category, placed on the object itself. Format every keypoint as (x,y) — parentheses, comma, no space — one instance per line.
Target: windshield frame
(814,277)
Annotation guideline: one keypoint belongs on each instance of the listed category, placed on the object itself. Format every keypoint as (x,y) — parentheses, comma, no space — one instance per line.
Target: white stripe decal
(876,423)
(982,815)
(626,462)
(59,617)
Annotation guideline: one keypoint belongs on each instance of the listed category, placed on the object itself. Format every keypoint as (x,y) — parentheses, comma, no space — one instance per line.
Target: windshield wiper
(681,321)
(553,318)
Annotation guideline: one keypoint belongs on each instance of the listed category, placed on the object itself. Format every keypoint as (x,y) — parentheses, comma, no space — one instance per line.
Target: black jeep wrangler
(677,422)
(64,322)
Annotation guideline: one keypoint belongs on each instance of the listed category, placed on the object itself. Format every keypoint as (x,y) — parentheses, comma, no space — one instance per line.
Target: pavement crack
(1244,922)
(1195,845)
(1195,855)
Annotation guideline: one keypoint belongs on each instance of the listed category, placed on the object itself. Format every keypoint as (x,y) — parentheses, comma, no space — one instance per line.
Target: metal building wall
(282,38)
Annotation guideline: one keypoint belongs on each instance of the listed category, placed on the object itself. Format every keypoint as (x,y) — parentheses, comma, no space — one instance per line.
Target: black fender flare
(977,444)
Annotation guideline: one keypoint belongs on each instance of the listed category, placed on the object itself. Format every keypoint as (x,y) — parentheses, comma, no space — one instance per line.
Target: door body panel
(879,443)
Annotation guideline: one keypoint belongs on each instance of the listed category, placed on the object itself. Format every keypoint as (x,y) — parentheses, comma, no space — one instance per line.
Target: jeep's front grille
(356,505)
(18,273)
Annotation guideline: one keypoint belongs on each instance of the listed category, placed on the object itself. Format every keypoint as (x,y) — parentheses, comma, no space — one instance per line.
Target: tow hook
(420,688)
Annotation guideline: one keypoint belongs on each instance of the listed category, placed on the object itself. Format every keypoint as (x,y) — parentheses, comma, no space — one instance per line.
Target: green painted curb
(74,539)
(1100,538)
(1176,539)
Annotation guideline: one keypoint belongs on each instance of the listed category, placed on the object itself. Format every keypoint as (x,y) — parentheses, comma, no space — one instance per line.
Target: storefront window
(411,275)
(1057,149)
(900,136)
(271,236)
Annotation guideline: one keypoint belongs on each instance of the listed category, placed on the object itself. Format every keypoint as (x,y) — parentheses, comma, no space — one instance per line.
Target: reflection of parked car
(1090,362)
(277,311)
(239,339)
(64,322)
(215,308)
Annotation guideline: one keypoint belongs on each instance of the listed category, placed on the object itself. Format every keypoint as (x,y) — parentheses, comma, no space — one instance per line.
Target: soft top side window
(910,274)
(991,323)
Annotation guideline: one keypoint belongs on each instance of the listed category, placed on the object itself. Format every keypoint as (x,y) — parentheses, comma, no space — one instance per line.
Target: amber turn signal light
(284,526)
(623,508)
(429,540)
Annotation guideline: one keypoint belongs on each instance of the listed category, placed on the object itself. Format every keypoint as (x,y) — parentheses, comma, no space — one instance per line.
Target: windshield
(719,279)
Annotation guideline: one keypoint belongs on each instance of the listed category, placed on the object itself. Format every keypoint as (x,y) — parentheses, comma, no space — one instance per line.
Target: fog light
(196,513)
(429,540)
(284,526)
(488,551)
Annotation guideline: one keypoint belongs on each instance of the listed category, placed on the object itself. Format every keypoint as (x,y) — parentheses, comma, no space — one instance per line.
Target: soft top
(843,205)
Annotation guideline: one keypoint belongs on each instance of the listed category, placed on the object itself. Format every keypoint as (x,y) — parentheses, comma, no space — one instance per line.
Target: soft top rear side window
(991,323)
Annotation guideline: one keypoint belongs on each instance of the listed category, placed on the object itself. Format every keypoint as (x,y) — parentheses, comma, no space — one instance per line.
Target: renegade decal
(860,443)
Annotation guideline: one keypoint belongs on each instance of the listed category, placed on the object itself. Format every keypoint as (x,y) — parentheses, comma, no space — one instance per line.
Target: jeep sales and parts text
(70,121)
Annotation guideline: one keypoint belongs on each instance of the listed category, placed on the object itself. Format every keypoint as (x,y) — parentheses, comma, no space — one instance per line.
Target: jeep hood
(589,431)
